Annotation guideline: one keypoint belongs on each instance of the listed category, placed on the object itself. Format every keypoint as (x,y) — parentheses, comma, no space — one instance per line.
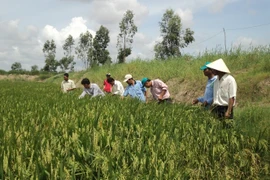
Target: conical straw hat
(219,65)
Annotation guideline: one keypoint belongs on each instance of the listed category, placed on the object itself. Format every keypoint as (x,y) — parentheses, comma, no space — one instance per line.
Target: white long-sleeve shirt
(93,91)
(118,88)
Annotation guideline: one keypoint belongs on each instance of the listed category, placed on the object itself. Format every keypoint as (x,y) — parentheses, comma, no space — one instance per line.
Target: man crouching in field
(117,87)
(90,89)
(158,89)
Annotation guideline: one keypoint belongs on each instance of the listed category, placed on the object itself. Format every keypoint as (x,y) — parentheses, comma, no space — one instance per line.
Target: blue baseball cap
(204,66)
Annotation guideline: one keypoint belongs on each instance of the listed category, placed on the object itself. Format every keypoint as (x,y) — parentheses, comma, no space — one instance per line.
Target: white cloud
(110,12)
(218,5)
(186,17)
(25,46)
(75,28)
(194,5)
(245,42)
(142,47)
(14,23)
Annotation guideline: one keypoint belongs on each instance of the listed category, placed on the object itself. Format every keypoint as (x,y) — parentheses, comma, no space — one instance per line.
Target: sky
(26,25)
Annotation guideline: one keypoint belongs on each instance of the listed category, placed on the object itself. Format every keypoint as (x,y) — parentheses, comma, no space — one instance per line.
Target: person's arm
(125,92)
(71,89)
(144,90)
(160,97)
(164,88)
(208,101)
(232,94)
(116,89)
(97,91)
(73,86)
(82,95)
(104,85)
(230,106)
(199,99)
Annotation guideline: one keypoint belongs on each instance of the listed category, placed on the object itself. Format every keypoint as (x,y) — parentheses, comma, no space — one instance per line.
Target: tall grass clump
(45,134)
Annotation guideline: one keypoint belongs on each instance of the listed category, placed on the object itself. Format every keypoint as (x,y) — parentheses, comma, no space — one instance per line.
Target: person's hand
(205,103)
(227,114)
(195,101)
(160,97)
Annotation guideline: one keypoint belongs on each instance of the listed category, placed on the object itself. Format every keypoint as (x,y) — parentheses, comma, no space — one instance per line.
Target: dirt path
(18,77)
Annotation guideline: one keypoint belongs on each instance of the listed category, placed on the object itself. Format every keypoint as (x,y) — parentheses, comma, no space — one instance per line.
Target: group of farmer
(219,95)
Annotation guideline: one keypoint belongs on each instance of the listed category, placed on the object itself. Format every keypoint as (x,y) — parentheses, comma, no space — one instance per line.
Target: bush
(3,72)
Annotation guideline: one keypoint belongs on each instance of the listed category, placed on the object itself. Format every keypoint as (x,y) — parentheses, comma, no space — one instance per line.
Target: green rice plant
(45,134)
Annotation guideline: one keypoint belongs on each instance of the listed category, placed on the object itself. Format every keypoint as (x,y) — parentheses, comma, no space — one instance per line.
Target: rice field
(45,134)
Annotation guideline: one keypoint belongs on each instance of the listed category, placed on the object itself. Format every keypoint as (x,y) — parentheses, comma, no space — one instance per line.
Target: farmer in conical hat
(225,89)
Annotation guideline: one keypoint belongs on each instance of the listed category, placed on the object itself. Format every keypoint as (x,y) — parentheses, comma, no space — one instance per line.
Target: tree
(49,50)
(34,68)
(173,37)
(100,53)
(125,37)
(16,66)
(84,50)
(67,62)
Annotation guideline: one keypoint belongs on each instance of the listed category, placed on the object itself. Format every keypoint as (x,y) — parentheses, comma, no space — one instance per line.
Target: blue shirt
(208,93)
(136,91)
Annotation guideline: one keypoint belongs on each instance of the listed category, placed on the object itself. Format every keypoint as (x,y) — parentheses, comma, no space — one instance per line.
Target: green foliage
(34,70)
(49,50)
(125,37)
(67,62)
(59,136)
(122,54)
(84,50)
(16,66)
(100,44)
(68,46)
(173,37)
(3,72)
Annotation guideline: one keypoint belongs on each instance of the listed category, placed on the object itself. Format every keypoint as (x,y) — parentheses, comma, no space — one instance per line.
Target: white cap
(219,65)
(127,77)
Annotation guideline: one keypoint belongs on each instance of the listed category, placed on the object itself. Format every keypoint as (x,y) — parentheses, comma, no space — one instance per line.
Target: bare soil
(18,77)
